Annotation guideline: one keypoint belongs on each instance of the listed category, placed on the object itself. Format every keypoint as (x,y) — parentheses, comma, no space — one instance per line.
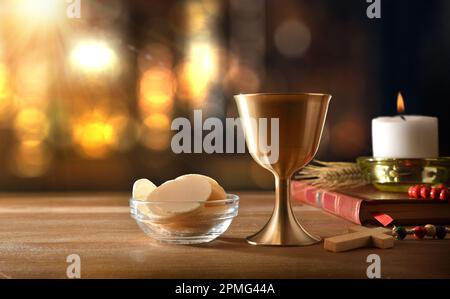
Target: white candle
(412,136)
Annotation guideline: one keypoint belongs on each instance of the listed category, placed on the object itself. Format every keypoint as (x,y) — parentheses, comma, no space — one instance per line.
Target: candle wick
(401,115)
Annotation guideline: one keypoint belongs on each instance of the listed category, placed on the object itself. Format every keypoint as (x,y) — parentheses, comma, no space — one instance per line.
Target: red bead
(435,193)
(419,232)
(410,189)
(416,191)
(444,194)
(441,186)
(425,192)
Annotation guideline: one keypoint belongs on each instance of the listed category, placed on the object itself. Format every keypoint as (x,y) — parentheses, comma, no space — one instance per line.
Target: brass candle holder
(301,119)
(397,174)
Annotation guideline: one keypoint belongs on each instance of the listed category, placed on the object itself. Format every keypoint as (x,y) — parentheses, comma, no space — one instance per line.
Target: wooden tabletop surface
(38,232)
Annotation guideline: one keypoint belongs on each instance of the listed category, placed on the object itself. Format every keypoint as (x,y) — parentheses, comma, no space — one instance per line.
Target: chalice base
(289,233)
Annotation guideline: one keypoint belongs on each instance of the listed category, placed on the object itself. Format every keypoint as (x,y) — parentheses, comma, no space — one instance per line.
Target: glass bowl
(193,222)
(395,174)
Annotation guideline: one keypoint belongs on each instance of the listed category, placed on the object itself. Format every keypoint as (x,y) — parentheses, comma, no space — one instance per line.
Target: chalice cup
(294,142)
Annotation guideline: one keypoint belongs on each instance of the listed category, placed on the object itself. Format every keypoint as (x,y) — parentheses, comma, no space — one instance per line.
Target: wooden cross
(360,236)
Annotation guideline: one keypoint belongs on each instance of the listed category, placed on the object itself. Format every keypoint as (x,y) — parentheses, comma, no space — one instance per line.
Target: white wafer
(180,196)
(142,188)
(217,192)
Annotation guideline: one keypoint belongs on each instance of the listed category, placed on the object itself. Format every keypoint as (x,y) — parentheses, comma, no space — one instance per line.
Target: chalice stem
(283,227)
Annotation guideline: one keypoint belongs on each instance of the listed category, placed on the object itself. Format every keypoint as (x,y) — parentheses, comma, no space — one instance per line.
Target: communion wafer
(217,192)
(142,189)
(180,196)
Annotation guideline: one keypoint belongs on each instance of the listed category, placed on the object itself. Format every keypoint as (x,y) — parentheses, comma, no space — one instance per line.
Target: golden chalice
(301,117)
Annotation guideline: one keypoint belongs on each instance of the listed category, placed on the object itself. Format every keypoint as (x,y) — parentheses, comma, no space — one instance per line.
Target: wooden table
(38,232)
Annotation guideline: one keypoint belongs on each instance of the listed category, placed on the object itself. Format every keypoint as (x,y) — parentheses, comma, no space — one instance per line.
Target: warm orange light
(39,11)
(158,121)
(400,104)
(197,73)
(157,87)
(156,131)
(31,126)
(93,56)
(3,82)
(94,139)
(94,135)
(156,142)
(26,72)
(6,103)
(30,160)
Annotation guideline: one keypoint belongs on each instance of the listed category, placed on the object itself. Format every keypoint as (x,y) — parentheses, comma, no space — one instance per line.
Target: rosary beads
(419,232)
(439,192)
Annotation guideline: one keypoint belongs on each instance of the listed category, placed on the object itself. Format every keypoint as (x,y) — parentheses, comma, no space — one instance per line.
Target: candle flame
(400,104)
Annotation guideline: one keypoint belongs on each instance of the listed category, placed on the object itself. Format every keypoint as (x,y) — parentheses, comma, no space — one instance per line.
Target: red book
(366,205)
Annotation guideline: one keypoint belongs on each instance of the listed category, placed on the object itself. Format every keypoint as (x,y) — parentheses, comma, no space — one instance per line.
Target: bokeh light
(6,103)
(204,58)
(30,160)
(95,134)
(4,89)
(31,78)
(292,38)
(155,132)
(157,121)
(157,87)
(199,70)
(198,17)
(31,126)
(197,73)
(93,56)
(40,10)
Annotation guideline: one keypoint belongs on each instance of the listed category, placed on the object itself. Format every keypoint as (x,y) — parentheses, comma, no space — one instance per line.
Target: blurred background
(87,103)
